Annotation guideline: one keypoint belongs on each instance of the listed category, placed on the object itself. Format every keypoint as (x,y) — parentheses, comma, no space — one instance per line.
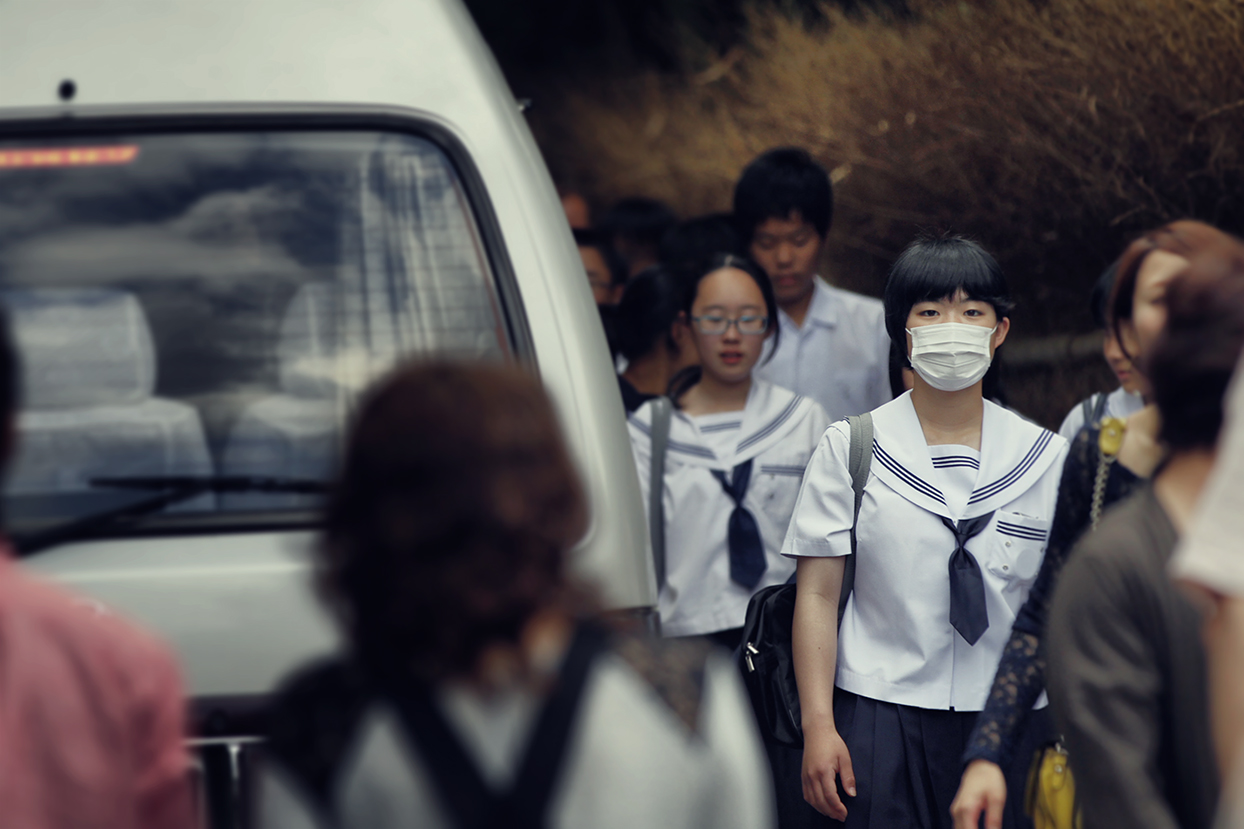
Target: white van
(219,221)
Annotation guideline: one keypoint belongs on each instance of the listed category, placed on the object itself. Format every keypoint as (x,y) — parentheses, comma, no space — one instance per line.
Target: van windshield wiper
(168,490)
(198,484)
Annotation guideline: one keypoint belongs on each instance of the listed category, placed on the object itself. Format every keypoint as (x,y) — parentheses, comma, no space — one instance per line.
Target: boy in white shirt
(833,345)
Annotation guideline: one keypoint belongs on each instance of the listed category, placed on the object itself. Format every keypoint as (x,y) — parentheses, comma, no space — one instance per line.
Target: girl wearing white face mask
(950,535)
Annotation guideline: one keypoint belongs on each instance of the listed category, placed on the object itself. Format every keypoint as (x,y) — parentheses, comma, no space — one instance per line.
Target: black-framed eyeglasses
(715,324)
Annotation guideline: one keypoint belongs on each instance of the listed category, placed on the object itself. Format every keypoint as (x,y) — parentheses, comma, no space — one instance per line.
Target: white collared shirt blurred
(839,357)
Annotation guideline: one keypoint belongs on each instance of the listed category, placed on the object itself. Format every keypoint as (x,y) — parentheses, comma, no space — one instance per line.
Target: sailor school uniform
(896,643)
(777,430)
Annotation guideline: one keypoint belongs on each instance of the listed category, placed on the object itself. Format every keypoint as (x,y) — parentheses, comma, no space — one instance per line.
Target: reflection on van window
(210,306)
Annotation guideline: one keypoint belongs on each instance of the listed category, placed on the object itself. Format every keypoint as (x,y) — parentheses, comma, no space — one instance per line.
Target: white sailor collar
(768,416)
(1015,453)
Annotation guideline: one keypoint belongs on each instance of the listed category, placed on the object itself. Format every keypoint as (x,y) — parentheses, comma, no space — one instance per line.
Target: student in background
(635,227)
(1127,671)
(93,710)
(1127,399)
(736,453)
(578,214)
(476,688)
(606,272)
(695,240)
(651,335)
(834,346)
(1092,482)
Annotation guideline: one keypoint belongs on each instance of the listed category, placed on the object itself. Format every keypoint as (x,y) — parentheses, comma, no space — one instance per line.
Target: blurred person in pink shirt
(92,714)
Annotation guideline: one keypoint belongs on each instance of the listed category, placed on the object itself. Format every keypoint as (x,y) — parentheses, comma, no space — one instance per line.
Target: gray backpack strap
(1099,408)
(662,409)
(859,461)
(1093,407)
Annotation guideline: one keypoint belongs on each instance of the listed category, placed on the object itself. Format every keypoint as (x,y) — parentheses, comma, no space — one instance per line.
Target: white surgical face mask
(951,355)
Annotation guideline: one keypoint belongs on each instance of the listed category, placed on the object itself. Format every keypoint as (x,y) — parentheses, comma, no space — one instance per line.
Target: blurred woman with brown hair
(1127,672)
(476,691)
(1092,480)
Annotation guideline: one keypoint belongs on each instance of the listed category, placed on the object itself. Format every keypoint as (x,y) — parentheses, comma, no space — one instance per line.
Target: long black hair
(649,306)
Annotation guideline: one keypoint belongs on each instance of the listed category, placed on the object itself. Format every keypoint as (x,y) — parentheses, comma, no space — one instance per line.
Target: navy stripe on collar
(911,479)
(1015,474)
(691,449)
(781,469)
(677,445)
(947,461)
(722,427)
(772,426)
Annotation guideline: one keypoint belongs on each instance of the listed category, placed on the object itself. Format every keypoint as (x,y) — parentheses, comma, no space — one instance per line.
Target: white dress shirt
(1119,403)
(777,430)
(840,356)
(896,643)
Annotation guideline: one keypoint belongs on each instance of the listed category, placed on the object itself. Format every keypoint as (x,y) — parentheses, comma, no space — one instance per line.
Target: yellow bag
(1050,799)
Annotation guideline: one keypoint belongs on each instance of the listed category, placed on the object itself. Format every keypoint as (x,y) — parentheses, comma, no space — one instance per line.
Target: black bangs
(931,268)
(778,183)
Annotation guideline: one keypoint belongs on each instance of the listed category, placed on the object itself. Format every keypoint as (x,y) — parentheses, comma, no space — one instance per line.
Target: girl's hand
(983,788)
(825,757)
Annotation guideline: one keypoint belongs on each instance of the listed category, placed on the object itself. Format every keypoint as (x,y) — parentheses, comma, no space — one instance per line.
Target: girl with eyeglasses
(736,451)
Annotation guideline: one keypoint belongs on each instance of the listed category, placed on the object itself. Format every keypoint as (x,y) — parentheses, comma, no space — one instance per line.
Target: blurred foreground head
(1195,356)
(451,519)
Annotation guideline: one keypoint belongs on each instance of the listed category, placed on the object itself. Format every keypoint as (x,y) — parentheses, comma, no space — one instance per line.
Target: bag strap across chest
(662,410)
(859,460)
(472,803)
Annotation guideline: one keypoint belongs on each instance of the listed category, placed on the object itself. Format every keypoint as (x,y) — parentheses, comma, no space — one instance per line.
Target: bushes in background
(1051,131)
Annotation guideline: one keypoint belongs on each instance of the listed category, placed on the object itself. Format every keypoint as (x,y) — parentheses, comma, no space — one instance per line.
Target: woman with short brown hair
(1092,480)
(1127,671)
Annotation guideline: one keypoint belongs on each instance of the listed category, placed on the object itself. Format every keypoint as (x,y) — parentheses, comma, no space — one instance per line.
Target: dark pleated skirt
(908,763)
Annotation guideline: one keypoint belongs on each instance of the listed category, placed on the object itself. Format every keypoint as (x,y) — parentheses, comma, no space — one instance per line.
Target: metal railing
(223,771)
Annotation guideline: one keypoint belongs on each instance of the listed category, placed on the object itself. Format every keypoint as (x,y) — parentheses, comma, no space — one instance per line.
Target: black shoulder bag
(766,657)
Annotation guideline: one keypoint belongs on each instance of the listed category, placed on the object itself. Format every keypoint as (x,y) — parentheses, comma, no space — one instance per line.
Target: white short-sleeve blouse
(777,430)
(896,643)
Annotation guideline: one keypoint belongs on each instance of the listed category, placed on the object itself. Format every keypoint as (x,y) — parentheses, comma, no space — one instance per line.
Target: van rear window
(197,314)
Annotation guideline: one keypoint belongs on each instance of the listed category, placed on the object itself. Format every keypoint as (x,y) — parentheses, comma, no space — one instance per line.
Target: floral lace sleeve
(1021,671)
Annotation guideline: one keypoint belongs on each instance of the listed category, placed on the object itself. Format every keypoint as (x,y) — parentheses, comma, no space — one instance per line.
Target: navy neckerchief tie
(968,613)
(747,552)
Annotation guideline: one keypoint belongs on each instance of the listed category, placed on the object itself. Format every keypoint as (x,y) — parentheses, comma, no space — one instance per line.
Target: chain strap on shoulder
(1109,441)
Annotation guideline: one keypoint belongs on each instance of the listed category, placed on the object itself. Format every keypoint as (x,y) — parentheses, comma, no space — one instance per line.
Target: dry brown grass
(1051,130)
